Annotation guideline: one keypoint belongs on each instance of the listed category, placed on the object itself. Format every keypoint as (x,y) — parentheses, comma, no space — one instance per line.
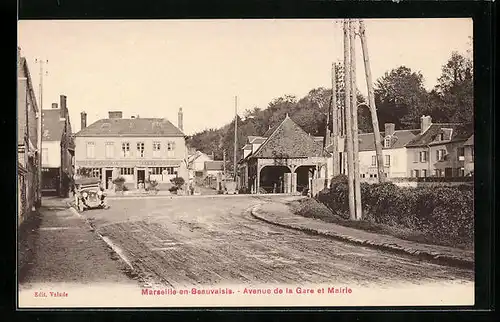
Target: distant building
(285,159)
(28,145)
(197,164)
(137,149)
(213,168)
(394,153)
(438,150)
(58,150)
(213,174)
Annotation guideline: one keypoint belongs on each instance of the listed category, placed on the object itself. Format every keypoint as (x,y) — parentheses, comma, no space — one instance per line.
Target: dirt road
(187,241)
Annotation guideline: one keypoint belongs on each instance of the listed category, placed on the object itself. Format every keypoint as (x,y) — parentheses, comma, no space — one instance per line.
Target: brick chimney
(389,129)
(180,119)
(425,123)
(115,114)
(83,117)
(54,105)
(63,106)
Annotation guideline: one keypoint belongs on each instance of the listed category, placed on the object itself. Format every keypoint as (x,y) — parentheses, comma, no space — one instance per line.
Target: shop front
(135,173)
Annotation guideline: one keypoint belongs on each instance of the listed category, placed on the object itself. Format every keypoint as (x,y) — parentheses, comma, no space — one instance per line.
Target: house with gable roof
(284,160)
(435,149)
(196,165)
(438,150)
(137,149)
(394,153)
(58,150)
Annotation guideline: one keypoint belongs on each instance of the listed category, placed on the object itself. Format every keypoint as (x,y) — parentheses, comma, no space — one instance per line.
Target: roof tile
(131,127)
(288,140)
(458,132)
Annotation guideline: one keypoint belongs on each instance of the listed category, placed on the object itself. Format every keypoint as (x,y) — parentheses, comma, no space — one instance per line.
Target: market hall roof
(289,140)
(137,127)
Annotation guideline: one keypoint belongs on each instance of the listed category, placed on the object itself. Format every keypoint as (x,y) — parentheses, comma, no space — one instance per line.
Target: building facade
(438,151)
(58,150)
(28,142)
(197,165)
(137,149)
(432,150)
(394,153)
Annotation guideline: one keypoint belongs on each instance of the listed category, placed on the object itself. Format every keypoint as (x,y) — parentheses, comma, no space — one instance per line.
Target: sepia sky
(151,68)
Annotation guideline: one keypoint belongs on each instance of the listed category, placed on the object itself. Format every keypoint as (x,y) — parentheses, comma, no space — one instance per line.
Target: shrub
(341,178)
(119,180)
(440,212)
(152,185)
(119,183)
(178,182)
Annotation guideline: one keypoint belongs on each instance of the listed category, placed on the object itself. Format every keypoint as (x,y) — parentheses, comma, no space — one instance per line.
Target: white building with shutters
(394,152)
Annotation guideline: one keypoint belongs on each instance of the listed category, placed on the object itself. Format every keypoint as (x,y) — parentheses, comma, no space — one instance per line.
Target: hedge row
(440,212)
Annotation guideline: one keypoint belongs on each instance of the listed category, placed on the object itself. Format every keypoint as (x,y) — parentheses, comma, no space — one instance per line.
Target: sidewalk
(279,214)
(59,246)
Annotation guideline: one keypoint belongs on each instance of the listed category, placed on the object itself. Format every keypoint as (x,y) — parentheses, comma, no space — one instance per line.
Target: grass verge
(311,208)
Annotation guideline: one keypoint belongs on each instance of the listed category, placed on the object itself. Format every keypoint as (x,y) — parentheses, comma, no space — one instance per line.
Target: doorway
(108,177)
(141,176)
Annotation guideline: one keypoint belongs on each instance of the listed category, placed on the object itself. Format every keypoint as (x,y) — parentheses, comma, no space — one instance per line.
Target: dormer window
(440,137)
(387,142)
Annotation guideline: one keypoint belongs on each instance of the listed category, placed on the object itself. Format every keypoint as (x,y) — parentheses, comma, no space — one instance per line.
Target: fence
(431,181)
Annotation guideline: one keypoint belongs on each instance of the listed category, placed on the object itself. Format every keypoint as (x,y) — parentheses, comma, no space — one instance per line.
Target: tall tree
(401,98)
(456,89)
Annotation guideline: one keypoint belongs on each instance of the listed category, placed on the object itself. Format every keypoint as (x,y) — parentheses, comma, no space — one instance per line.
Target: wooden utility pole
(340,79)
(354,111)
(371,100)
(335,132)
(39,131)
(348,139)
(224,167)
(235,135)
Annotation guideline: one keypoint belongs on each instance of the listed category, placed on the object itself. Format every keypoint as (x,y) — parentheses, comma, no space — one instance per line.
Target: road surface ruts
(188,241)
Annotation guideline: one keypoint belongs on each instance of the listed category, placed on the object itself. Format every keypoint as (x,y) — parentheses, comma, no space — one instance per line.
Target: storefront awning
(127,163)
